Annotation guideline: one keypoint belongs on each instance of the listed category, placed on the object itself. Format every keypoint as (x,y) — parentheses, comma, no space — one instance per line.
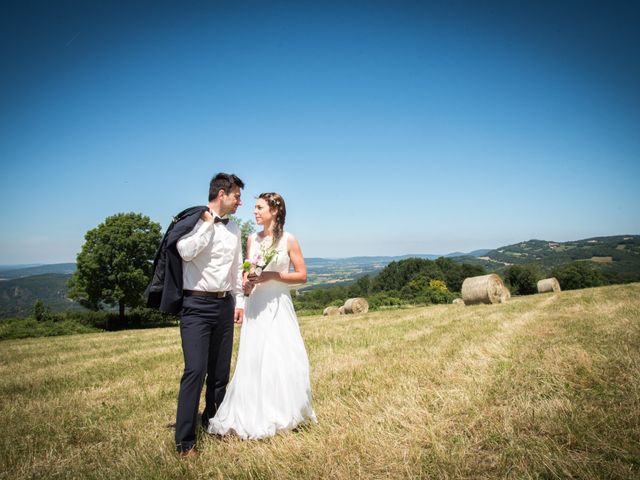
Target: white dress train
(270,390)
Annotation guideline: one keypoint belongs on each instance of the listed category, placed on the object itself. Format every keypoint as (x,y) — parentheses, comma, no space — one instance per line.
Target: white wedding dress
(270,389)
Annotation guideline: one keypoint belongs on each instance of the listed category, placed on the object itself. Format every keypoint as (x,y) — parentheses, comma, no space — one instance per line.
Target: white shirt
(212,259)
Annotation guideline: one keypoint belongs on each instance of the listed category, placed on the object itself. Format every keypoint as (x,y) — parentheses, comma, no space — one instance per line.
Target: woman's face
(262,212)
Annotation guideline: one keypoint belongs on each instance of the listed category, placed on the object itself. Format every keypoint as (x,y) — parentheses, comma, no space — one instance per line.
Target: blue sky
(389,127)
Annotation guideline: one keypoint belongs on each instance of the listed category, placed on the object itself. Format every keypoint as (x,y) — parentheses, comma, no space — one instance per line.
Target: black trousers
(206,329)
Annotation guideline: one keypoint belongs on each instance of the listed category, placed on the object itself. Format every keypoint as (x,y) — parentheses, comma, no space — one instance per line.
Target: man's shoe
(188,454)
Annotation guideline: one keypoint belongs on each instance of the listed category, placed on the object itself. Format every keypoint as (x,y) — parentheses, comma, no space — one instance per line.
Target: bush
(384,299)
(438,292)
(40,312)
(45,323)
(319,298)
(12,328)
(422,290)
(522,279)
(578,275)
(149,317)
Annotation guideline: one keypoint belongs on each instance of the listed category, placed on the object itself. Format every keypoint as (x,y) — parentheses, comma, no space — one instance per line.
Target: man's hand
(238,315)
(206,216)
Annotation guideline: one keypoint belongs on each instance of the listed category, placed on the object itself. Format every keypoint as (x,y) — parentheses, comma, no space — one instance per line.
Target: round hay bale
(505,295)
(458,301)
(331,311)
(484,289)
(356,305)
(548,285)
(341,310)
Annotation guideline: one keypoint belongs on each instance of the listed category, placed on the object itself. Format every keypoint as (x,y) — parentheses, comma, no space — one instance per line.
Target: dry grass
(546,386)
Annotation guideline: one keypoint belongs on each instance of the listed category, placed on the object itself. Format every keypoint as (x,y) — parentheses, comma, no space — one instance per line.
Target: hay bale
(506,295)
(458,301)
(484,289)
(331,311)
(356,305)
(548,285)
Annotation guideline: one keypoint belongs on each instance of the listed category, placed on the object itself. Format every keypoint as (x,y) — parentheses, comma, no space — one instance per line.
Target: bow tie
(224,221)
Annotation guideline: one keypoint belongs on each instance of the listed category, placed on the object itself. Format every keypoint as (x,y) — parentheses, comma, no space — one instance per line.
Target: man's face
(231,202)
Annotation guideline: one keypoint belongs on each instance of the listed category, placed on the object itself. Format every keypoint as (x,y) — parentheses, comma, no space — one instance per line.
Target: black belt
(201,293)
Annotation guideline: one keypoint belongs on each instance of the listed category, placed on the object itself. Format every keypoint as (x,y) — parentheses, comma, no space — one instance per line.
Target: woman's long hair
(276,202)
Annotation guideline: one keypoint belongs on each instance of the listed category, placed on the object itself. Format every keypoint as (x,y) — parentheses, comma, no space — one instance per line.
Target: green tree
(522,279)
(452,271)
(114,264)
(364,284)
(415,289)
(40,311)
(421,289)
(438,292)
(397,275)
(469,270)
(576,275)
(455,273)
(246,229)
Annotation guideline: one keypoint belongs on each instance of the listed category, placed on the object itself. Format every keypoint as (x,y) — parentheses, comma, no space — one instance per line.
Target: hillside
(541,387)
(18,296)
(28,271)
(622,248)
(616,256)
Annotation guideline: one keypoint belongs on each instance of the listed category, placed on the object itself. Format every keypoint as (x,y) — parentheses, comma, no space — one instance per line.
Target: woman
(270,389)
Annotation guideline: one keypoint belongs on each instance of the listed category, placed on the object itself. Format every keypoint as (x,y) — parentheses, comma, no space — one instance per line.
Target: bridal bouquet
(260,260)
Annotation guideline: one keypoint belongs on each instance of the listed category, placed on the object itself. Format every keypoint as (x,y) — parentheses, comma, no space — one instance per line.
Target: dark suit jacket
(165,290)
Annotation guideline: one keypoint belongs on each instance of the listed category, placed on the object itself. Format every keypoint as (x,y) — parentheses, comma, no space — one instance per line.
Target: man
(213,299)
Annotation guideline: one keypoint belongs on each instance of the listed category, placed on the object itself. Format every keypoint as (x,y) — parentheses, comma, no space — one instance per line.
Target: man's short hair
(225,182)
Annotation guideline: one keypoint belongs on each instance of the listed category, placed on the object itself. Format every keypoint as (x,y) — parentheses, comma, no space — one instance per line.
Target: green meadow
(542,387)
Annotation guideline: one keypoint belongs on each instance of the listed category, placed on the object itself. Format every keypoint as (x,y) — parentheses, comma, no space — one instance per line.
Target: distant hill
(18,266)
(17,271)
(476,253)
(17,296)
(618,257)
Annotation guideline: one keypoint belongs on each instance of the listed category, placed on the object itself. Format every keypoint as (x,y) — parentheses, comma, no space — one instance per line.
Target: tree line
(413,281)
(114,267)
(523,279)
(115,263)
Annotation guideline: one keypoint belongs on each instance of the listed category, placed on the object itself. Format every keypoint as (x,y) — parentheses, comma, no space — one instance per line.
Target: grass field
(546,386)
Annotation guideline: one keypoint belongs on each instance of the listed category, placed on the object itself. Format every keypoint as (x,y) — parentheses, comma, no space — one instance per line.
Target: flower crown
(272,201)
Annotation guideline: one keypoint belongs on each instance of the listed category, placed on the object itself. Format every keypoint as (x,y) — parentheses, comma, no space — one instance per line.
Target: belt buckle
(221,294)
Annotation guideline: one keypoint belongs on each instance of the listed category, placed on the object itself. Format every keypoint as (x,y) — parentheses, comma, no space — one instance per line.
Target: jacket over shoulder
(165,289)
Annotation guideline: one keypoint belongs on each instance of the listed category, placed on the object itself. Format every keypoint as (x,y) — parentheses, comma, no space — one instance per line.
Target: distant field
(545,386)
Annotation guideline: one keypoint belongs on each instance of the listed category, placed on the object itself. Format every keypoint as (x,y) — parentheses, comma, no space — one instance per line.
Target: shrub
(522,279)
(437,292)
(578,275)
(12,328)
(384,299)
